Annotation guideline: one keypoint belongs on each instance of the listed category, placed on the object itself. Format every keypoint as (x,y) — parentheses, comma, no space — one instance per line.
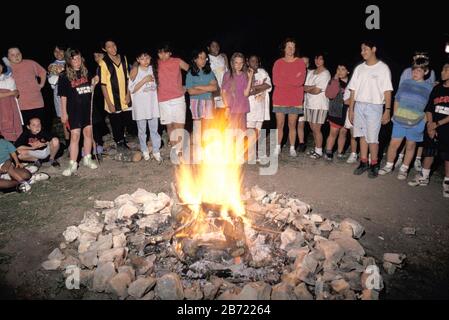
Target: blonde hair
(71,73)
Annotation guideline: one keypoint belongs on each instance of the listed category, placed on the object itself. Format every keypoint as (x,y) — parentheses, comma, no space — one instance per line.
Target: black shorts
(434,147)
(80,117)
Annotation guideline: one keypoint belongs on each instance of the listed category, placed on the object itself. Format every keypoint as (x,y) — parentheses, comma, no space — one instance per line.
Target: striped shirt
(115,78)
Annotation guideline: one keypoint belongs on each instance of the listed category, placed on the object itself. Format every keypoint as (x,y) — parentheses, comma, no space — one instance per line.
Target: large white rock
(71,234)
(141,196)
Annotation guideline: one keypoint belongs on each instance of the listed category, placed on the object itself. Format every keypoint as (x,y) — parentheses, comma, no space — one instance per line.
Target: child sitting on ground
(35,145)
(18,177)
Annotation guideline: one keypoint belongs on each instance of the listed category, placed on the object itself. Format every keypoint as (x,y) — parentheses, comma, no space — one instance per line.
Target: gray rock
(149,296)
(138,288)
(104,242)
(69,261)
(257,193)
(111,255)
(89,259)
(56,255)
(119,285)
(119,241)
(395,258)
(102,275)
(409,231)
(143,265)
(51,264)
(351,247)
(255,291)
(71,234)
(169,287)
(282,291)
(302,293)
(193,293)
(291,239)
(332,251)
(102,204)
(110,216)
(141,196)
(351,224)
(339,285)
(127,211)
(210,289)
(129,270)
(123,199)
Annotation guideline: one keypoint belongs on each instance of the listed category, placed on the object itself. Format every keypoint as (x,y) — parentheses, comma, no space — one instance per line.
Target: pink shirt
(170,80)
(25,74)
(288,80)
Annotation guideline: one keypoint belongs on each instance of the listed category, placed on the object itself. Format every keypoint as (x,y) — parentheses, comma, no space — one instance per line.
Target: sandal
(315,155)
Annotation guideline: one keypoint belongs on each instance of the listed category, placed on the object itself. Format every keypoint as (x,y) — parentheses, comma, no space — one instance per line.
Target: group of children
(152,89)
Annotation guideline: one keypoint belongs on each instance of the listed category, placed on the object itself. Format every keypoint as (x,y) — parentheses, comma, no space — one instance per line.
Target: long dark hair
(194,70)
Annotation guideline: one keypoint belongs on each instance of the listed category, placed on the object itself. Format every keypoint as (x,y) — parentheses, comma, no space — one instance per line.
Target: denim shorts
(415,133)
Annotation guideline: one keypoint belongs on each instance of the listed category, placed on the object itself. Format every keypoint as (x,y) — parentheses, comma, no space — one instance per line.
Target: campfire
(212,240)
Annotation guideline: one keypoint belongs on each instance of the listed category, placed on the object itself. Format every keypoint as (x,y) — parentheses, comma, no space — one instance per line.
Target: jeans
(155,137)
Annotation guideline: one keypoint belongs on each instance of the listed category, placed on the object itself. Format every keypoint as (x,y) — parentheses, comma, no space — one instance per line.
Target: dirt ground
(32,224)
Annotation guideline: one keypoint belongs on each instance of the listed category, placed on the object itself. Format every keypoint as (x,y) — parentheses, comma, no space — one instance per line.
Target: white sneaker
(146,156)
(417,165)
(402,174)
(419,180)
(292,152)
(32,169)
(157,156)
(41,176)
(73,167)
(446,189)
(88,162)
(399,162)
(385,170)
(23,187)
(352,158)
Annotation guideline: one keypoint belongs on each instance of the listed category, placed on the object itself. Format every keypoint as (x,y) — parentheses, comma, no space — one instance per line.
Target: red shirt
(288,80)
(25,73)
(170,80)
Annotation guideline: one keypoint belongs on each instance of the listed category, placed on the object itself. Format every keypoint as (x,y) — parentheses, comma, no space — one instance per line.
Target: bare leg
(331,139)
(363,149)
(280,121)
(374,151)
(87,145)
(74,141)
(301,132)
(54,147)
(393,149)
(317,135)
(353,143)
(342,140)
(292,121)
(409,152)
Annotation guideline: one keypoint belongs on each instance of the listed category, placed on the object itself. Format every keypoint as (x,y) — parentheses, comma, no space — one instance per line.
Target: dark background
(336,27)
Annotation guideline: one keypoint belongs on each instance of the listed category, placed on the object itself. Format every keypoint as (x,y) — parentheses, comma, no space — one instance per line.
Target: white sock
(389,165)
(319,151)
(404,168)
(401,156)
(292,147)
(446,180)
(425,173)
(418,159)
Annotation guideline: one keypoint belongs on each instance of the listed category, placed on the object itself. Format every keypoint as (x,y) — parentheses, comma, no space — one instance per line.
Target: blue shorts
(415,133)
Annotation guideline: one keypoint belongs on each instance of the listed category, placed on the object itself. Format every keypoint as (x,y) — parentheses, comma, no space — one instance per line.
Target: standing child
(18,175)
(75,91)
(10,116)
(409,118)
(259,98)
(200,84)
(339,99)
(437,138)
(143,90)
(170,92)
(236,89)
(316,104)
(219,65)
(371,89)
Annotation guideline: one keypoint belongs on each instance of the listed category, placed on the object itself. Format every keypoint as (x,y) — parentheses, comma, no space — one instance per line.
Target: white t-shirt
(218,66)
(259,104)
(369,83)
(144,101)
(320,80)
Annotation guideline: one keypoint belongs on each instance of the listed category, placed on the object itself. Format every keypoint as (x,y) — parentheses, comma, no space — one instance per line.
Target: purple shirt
(234,92)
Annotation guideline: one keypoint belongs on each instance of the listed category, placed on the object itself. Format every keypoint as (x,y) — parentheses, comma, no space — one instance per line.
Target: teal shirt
(201,79)
(6,148)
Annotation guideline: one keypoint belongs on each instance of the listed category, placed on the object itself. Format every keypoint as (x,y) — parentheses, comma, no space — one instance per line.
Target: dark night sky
(251,27)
